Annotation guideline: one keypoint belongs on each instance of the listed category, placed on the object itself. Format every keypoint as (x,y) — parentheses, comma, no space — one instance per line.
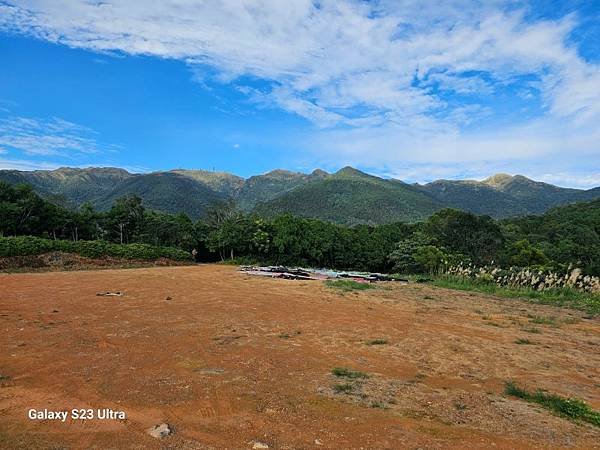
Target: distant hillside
(504,195)
(348,196)
(165,191)
(70,186)
(262,188)
(352,197)
(221,182)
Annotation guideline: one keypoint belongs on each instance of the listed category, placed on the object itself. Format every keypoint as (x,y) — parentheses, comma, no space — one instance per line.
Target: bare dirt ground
(230,361)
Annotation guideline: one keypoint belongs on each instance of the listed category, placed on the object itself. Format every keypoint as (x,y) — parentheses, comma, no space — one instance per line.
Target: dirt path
(231,360)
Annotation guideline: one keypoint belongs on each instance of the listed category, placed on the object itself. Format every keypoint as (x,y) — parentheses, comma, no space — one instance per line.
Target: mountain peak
(319,173)
(498,179)
(350,171)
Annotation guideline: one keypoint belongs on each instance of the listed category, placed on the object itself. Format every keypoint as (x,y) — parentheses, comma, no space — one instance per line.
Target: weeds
(343,372)
(532,330)
(541,320)
(522,341)
(377,342)
(571,408)
(343,388)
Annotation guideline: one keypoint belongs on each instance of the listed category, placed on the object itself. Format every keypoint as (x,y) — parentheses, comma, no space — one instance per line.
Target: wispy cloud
(385,82)
(48,137)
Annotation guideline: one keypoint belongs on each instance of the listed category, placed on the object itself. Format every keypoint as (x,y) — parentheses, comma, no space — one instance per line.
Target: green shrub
(29,245)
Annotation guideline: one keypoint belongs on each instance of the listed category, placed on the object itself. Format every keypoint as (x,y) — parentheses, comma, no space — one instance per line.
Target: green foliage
(477,237)
(29,245)
(566,235)
(561,237)
(430,258)
(522,254)
(348,285)
(570,408)
(343,372)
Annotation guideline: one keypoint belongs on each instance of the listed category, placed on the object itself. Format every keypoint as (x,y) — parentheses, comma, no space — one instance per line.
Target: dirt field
(231,361)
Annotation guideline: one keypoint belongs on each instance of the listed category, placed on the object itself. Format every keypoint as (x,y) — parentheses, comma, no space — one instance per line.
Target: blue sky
(405,89)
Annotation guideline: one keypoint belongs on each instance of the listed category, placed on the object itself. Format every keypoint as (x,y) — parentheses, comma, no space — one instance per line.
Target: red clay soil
(233,361)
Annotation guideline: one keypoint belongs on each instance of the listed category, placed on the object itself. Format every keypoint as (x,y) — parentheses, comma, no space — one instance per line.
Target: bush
(29,245)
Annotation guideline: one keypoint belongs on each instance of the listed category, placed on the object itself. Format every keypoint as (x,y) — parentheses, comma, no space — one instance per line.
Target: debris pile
(298,273)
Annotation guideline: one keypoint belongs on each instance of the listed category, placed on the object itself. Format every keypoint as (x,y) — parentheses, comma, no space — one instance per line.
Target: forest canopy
(562,237)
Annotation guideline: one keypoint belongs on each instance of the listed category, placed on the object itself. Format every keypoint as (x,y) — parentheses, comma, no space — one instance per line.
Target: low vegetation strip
(566,297)
(570,408)
(29,245)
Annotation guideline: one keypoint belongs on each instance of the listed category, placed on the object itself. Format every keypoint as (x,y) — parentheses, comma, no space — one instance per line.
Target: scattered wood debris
(298,273)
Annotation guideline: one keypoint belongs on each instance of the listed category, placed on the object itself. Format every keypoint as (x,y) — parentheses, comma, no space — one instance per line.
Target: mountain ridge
(347,196)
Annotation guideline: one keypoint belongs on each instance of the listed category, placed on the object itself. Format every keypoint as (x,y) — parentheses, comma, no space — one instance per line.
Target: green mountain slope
(262,188)
(221,182)
(348,196)
(72,186)
(165,191)
(504,195)
(352,197)
(535,196)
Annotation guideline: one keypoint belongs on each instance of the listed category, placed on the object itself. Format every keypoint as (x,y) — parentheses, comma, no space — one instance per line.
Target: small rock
(168,298)
(259,445)
(318,442)
(55,310)
(160,431)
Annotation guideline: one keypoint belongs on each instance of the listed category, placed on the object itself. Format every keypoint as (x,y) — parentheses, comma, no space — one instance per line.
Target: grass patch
(348,285)
(571,408)
(532,330)
(568,298)
(343,372)
(541,320)
(377,342)
(522,341)
(343,388)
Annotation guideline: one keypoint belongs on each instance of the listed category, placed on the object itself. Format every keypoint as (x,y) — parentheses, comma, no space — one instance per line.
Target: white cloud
(372,76)
(23,164)
(53,136)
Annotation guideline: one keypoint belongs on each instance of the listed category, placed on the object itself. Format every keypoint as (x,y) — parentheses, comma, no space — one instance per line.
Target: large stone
(160,431)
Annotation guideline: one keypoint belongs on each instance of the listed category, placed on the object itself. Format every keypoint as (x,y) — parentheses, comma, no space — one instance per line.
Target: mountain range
(347,196)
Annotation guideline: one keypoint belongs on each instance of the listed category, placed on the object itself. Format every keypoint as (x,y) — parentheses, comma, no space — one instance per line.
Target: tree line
(564,236)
